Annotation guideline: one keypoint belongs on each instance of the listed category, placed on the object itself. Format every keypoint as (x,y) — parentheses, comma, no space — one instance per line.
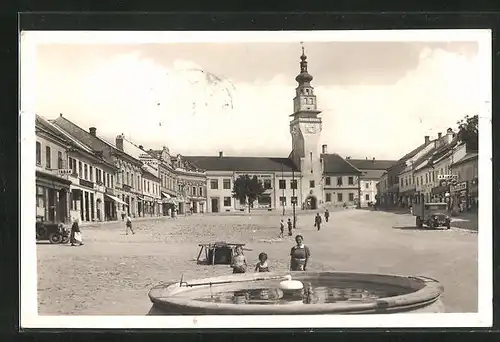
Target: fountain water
(316,292)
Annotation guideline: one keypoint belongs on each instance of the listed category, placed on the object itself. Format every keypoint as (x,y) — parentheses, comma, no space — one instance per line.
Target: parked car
(54,232)
(432,215)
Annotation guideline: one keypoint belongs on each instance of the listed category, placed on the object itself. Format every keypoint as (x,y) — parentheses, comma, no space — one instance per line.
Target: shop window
(47,157)
(339,198)
(328,181)
(214,184)
(328,197)
(38,153)
(282,184)
(227,201)
(351,197)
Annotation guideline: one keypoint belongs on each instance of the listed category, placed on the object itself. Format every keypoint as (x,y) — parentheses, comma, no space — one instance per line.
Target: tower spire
(304,78)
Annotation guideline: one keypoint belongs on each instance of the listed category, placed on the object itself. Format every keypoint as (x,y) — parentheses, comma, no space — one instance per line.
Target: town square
(289,186)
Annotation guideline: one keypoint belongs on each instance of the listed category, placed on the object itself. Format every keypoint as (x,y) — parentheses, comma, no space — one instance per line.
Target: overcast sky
(378,99)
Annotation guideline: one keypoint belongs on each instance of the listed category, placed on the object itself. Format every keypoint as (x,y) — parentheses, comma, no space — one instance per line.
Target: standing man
(317,221)
(327,215)
(129,225)
(289,223)
(282,228)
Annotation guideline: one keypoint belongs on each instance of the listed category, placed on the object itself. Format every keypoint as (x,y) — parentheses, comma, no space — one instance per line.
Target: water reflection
(317,294)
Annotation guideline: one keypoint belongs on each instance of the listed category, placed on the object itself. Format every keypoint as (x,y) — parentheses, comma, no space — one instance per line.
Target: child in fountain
(262,264)
(239,263)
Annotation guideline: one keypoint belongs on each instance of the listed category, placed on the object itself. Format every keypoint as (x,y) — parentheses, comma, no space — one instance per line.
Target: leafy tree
(247,189)
(468,132)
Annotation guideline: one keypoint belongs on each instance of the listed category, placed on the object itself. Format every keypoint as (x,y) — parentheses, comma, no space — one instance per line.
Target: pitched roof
(372,164)
(414,152)
(95,143)
(43,124)
(468,156)
(372,174)
(213,163)
(333,163)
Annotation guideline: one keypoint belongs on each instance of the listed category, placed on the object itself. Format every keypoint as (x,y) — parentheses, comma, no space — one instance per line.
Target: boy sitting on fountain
(262,264)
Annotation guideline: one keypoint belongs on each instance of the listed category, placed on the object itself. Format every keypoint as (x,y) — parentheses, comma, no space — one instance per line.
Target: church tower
(305,128)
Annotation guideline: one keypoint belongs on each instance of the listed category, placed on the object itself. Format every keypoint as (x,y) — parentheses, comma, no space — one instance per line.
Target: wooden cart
(220,253)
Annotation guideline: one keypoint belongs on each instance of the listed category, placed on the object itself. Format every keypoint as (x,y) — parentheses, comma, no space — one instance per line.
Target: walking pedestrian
(75,236)
(317,221)
(289,223)
(282,228)
(327,215)
(129,225)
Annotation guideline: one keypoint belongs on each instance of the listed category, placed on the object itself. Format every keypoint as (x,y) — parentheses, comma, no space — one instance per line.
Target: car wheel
(65,239)
(55,238)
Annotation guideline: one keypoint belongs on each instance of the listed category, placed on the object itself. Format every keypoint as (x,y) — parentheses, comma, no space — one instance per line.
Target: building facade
(52,189)
(465,168)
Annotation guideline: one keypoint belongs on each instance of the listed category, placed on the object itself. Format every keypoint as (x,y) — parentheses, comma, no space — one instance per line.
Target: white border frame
(29,317)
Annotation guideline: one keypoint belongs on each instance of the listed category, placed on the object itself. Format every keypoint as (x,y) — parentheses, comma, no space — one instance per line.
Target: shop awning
(165,195)
(116,199)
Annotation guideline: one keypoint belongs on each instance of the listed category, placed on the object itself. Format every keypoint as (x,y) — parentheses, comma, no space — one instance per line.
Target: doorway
(312,203)
(215,205)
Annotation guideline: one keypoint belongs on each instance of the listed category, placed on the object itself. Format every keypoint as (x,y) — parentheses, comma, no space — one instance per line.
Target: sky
(378,99)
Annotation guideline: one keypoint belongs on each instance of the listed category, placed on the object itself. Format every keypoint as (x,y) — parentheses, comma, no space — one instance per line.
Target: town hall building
(310,177)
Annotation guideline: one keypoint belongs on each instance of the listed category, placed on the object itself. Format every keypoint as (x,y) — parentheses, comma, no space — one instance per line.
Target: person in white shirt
(129,225)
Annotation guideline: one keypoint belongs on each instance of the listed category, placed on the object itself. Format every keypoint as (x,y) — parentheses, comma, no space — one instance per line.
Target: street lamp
(284,198)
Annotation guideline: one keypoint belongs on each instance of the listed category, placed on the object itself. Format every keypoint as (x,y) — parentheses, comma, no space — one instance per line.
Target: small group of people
(282,228)
(299,256)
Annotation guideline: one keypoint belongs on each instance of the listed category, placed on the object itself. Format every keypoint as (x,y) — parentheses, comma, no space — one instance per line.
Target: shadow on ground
(416,228)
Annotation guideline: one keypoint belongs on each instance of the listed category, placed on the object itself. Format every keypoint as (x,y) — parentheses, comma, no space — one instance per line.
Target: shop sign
(65,171)
(448,177)
(458,187)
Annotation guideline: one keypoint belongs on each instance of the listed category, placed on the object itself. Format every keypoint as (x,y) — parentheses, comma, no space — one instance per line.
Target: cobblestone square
(113,272)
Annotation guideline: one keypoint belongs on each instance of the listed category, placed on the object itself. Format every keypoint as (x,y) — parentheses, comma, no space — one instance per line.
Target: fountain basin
(326,293)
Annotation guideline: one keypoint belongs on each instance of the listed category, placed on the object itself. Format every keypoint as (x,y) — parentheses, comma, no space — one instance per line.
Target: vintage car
(55,232)
(432,215)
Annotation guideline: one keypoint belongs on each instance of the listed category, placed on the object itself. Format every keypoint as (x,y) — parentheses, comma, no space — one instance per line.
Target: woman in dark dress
(299,255)
(75,228)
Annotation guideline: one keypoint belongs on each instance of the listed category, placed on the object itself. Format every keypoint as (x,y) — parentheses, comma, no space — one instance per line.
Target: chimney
(366,158)
(439,135)
(60,114)
(449,135)
(93,131)
(119,142)
(221,154)
(324,149)
(427,139)
(141,147)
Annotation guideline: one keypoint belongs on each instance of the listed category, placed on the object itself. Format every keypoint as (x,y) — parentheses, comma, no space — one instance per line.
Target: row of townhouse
(79,174)
(442,169)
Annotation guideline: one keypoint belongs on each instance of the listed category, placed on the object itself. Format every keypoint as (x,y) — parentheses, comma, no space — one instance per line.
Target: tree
(468,132)
(247,189)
